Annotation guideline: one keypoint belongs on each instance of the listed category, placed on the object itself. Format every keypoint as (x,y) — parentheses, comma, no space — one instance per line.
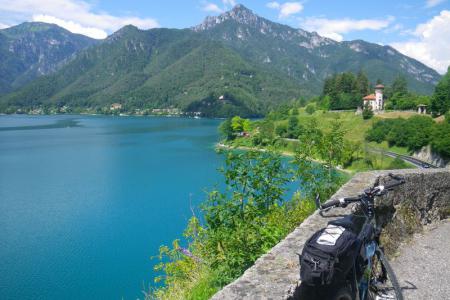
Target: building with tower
(375,101)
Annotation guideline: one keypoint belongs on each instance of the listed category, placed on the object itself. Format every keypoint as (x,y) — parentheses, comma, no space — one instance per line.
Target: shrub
(367,112)
(310,108)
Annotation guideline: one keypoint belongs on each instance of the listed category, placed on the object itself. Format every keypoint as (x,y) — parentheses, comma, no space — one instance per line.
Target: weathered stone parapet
(275,275)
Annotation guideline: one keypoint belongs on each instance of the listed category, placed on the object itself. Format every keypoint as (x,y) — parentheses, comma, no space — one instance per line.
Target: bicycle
(371,276)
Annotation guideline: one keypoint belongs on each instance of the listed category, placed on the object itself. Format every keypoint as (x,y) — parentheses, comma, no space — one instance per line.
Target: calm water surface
(86,201)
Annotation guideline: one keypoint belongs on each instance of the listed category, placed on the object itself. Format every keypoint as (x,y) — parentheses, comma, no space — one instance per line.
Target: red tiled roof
(379,86)
(370,97)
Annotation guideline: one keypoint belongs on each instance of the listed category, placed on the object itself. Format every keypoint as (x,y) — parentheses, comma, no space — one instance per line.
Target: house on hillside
(375,101)
(115,106)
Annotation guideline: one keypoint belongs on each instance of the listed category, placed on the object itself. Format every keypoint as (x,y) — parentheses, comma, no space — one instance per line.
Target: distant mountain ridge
(33,49)
(254,63)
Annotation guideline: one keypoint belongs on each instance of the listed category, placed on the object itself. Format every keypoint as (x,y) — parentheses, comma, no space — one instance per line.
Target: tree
(441,139)
(239,124)
(264,133)
(310,108)
(236,218)
(362,83)
(367,112)
(332,145)
(281,130)
(293,127)
(400,86)
(345,90)
(226,130)
(440,102)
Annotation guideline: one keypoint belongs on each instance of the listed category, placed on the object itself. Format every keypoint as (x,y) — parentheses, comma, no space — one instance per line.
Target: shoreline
(119,115)
(283,153)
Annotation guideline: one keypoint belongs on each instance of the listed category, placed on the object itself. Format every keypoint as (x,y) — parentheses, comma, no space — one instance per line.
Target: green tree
(332,145)
(237,124)
(400,86)
(293,128)
(441,139)
(281,130)
(310,108)
(226,130)
(367,112)
(264,133)
(440,102)
(362,84)
(236,218)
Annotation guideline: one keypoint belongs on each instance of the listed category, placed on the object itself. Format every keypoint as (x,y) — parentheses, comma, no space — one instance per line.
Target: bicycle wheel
(383,284)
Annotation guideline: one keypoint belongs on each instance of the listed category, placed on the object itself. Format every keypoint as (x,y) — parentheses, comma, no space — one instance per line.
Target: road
(409,159)
(423,266)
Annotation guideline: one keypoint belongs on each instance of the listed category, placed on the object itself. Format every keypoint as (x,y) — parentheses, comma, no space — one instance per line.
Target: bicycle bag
(328,256)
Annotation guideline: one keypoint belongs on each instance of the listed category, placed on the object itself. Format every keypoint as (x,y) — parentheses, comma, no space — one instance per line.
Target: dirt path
(423,266)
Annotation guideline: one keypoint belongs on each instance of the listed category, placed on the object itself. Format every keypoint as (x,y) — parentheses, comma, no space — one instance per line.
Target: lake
(85,201)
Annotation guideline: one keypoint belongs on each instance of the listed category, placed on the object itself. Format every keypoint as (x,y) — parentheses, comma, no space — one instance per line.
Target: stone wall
(424,198)
(427,155)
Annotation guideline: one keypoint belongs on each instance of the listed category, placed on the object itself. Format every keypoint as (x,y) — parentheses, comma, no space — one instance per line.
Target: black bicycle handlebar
(375,191)
(391,185)
(340,202)
(330,204)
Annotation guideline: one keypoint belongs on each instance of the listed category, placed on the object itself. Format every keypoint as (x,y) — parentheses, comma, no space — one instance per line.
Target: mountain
(307,57)
(237,62)
(34,49)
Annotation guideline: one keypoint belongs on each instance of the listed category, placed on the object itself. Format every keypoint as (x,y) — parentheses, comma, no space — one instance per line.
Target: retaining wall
(424,198)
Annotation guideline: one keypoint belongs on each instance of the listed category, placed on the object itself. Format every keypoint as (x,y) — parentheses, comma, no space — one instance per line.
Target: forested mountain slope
(34,49)
(254,63)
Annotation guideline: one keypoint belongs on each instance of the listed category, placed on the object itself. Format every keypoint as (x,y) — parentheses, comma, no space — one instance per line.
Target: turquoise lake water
(85,201)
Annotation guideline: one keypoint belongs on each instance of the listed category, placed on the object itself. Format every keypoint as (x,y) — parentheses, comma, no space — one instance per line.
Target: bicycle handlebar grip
(352,199)
(330,204)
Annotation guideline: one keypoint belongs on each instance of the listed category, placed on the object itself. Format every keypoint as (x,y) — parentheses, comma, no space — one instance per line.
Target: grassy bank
(279,134)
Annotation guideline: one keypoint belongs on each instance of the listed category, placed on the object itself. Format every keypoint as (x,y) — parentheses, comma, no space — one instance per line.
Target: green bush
(367,112)
(310,108)
(413,133)
(241,222)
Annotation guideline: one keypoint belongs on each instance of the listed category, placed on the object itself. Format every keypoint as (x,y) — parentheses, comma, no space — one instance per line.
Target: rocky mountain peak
(239,14)
(126,30)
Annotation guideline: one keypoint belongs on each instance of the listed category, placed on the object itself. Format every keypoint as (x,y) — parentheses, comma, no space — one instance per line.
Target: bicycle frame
(368,236)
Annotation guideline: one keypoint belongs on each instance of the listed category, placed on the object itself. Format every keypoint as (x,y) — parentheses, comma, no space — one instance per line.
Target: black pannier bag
(328,255)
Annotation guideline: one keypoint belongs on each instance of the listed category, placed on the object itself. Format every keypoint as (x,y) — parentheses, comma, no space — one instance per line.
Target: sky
(417,28)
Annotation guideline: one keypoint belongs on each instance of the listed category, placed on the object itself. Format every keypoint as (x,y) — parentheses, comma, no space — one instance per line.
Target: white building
(375,101)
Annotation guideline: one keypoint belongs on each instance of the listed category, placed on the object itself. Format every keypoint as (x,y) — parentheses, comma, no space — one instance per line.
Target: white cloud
(211,7)
(75,15)
(286,9)
(433,3)
(274,5)
(2,26)
(229,3)
(72,26)
(215,8)
(335,28)
(430,42)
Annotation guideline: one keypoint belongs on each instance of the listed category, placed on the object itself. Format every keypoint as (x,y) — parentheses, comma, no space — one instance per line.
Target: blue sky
(418,28)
